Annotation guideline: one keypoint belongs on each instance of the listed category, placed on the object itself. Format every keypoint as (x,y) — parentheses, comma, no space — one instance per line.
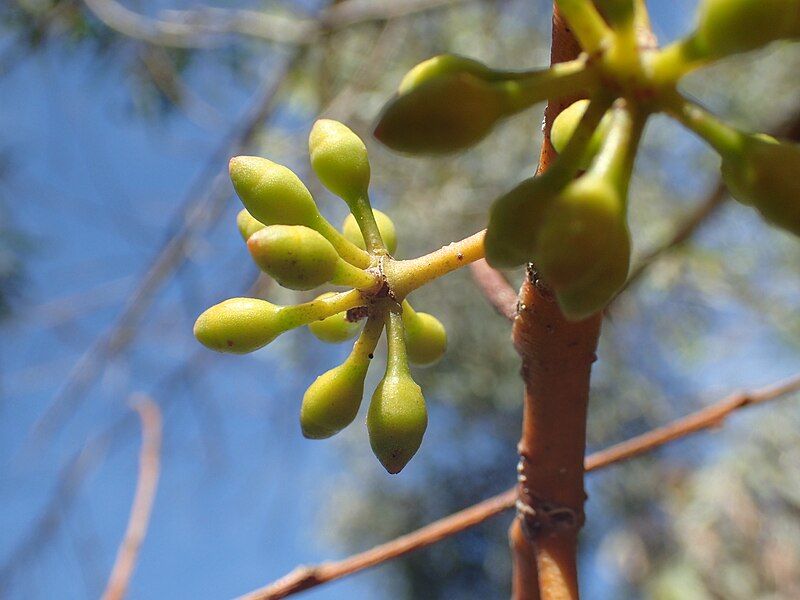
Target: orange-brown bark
(557,356)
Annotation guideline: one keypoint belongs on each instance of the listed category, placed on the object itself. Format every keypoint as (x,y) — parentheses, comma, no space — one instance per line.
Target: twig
(683,231)
(203,202)
(495,287)
(557,357)
(712,416)
(203,27)
(146,485)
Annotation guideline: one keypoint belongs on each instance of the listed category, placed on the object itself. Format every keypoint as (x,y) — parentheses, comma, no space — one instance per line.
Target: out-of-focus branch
(495,288)
(146,485)
(684,230)
(688,226)
(203,27)
(712,416)
(204,201)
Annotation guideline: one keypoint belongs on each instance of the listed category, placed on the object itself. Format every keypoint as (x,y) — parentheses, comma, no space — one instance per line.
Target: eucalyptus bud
(729,26)
(239,325)
(331,403)
(352,232)
(515,221)
(574,237)
(397,417)
(272,193)
(426,337)
(565,124)
(247,225)
(334,329)
(765,173)
(297,257)
(339,158)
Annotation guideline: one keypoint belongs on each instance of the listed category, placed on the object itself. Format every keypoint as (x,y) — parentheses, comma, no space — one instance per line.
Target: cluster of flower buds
(571,221)
(292,242)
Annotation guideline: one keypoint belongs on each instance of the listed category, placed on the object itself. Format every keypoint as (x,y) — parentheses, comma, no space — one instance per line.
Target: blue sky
(96,190)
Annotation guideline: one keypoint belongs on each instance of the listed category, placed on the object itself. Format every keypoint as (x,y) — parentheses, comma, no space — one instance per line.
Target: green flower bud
(515,220)
(297,257)
(610,274)
(339,158)
(331,403)
(334,329)
(730,26)
(397,417)
(445,104)
(573,242)
(439,66)
(426,337)
(565,124)
(272,193)
(764,173)
(239,325)
(396,421)
(247,224)
(385,226)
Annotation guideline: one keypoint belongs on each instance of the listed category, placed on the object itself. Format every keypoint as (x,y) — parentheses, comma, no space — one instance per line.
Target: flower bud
(765,173)
(339,158)
(397,417)
(609,275)
(331,403)
(334,329)
(565,124)
(385,226)
(247,224)
(239,325)
(297,257)
(574,238)
(730,26)
(426,337)
(396,420)
(514,222)
(271,193)
(444,104)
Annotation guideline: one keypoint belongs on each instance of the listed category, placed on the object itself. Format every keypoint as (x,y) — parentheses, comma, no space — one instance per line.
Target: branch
(146,485)
(495,288)
(683,231)
(710,417)
(200,28)
(205,199)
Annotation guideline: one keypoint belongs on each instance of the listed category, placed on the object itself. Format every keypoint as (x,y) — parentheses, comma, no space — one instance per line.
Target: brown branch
(303,578)
(495,288)
(712,416)
(557,357)
(146,485)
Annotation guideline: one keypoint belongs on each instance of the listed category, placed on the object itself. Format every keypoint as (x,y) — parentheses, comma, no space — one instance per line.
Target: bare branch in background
(203,27)
(495,288)
(146,485)
(303,578)
(205,200)
(689,225)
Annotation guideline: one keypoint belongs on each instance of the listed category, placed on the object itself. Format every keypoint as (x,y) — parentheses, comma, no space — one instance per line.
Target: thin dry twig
(203,203)
(306,577)
(146,485)
(204,27)
(495,287)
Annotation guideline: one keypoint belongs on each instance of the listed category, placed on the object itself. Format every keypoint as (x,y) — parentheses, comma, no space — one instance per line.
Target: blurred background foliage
(712,517)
